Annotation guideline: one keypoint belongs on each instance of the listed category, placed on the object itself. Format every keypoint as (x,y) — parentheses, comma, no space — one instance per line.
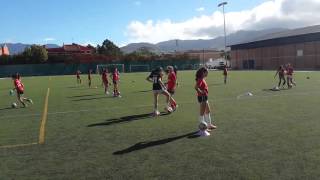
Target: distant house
(72,49)
(4,50)
(204,55)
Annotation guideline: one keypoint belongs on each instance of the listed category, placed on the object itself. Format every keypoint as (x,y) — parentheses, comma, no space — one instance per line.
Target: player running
(159,88)
(89,77)
(225,74)
(19,87)
(281,72)
(290,80)
(115,79)
(171,85)
(202,90)
(104,77)
(78,76)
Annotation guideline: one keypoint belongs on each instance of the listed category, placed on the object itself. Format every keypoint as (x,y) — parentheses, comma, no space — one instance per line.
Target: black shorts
(115,82)
(171,91)
(20,92)
(202,99)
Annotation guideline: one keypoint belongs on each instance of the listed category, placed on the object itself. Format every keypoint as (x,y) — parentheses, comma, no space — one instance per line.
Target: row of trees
(36,54)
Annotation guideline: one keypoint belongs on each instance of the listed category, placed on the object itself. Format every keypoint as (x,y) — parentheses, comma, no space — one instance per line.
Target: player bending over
(104,77)
(78,76)
(281,72)
(89,78)
(202,90)
(159,88)
(171,85)
(19,87)
(115,80)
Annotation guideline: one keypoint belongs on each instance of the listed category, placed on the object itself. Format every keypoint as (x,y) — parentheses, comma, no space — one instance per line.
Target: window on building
(299,52)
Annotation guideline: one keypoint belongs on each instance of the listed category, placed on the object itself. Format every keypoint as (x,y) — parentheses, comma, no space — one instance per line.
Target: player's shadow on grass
(149,144)
(1,109)
(273,90)
(87,95)
(125,119)
(94,98)
(143,91)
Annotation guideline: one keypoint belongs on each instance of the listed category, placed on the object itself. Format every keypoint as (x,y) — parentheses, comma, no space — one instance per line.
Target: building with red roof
(71,49)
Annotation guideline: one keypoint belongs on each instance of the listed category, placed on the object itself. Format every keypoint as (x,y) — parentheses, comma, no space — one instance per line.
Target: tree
(35,54)
(109,48)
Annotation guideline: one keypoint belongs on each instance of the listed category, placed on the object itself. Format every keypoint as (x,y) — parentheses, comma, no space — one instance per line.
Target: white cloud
(200,9)
(270,14)
(49,39)
(137,3)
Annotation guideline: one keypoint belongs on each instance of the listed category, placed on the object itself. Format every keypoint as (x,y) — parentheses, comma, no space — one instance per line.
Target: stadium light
(225,34)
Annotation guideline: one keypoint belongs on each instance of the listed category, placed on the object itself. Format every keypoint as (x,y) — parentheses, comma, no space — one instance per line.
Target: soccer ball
(11,92)
(14,105)
(169,109)
(249,94)
(203,126)
(276,88)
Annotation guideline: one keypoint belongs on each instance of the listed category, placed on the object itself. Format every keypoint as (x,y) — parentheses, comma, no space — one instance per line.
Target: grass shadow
(89,99)
(149,144)
(2,109)
(273,90)
(125,119)
(87,95)
(144,91)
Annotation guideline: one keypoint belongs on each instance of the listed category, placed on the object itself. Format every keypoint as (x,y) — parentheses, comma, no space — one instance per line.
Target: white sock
(207,118)
(201,119)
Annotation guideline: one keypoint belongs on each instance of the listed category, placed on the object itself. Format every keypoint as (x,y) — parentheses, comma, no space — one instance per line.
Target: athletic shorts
(158,91)
(78,77)
(115,82)
(106,83)
(202,99)
(171,91)
(289,76)
(20,92)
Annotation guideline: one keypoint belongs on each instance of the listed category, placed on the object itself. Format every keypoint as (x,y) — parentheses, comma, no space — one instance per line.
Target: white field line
(240,97)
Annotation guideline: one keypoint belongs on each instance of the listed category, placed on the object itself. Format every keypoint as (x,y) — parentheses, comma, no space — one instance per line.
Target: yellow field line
(18,145)
(42,132)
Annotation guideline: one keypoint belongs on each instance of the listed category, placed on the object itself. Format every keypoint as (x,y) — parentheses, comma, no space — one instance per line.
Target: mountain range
(210,44)
(176,45)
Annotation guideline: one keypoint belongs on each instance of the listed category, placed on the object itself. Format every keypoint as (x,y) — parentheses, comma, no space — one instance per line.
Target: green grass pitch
(271,135)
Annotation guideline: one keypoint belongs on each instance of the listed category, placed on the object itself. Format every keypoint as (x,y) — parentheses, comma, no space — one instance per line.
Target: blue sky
(92,21)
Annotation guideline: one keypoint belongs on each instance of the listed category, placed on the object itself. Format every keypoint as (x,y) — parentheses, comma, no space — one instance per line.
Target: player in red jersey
(104,77)
(202,91)
(171,85)
(115,79)
(19,87)
(281,72)
(78,76)
(225,74)
(290,80)
(89,78)
(159,88)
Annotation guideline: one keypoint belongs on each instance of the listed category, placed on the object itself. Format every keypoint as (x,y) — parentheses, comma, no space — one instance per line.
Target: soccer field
(88,135)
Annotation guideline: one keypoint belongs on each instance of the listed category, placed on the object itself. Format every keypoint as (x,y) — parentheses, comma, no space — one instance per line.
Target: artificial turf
(270,135)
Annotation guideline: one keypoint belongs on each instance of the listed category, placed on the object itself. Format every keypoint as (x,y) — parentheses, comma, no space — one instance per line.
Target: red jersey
(225,71)
(172,80)
(104,77)
(78,73)
(290,71)
(202,85)
(19,86)
(115,76)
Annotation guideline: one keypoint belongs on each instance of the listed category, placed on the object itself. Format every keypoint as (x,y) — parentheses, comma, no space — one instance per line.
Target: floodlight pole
(225,34)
